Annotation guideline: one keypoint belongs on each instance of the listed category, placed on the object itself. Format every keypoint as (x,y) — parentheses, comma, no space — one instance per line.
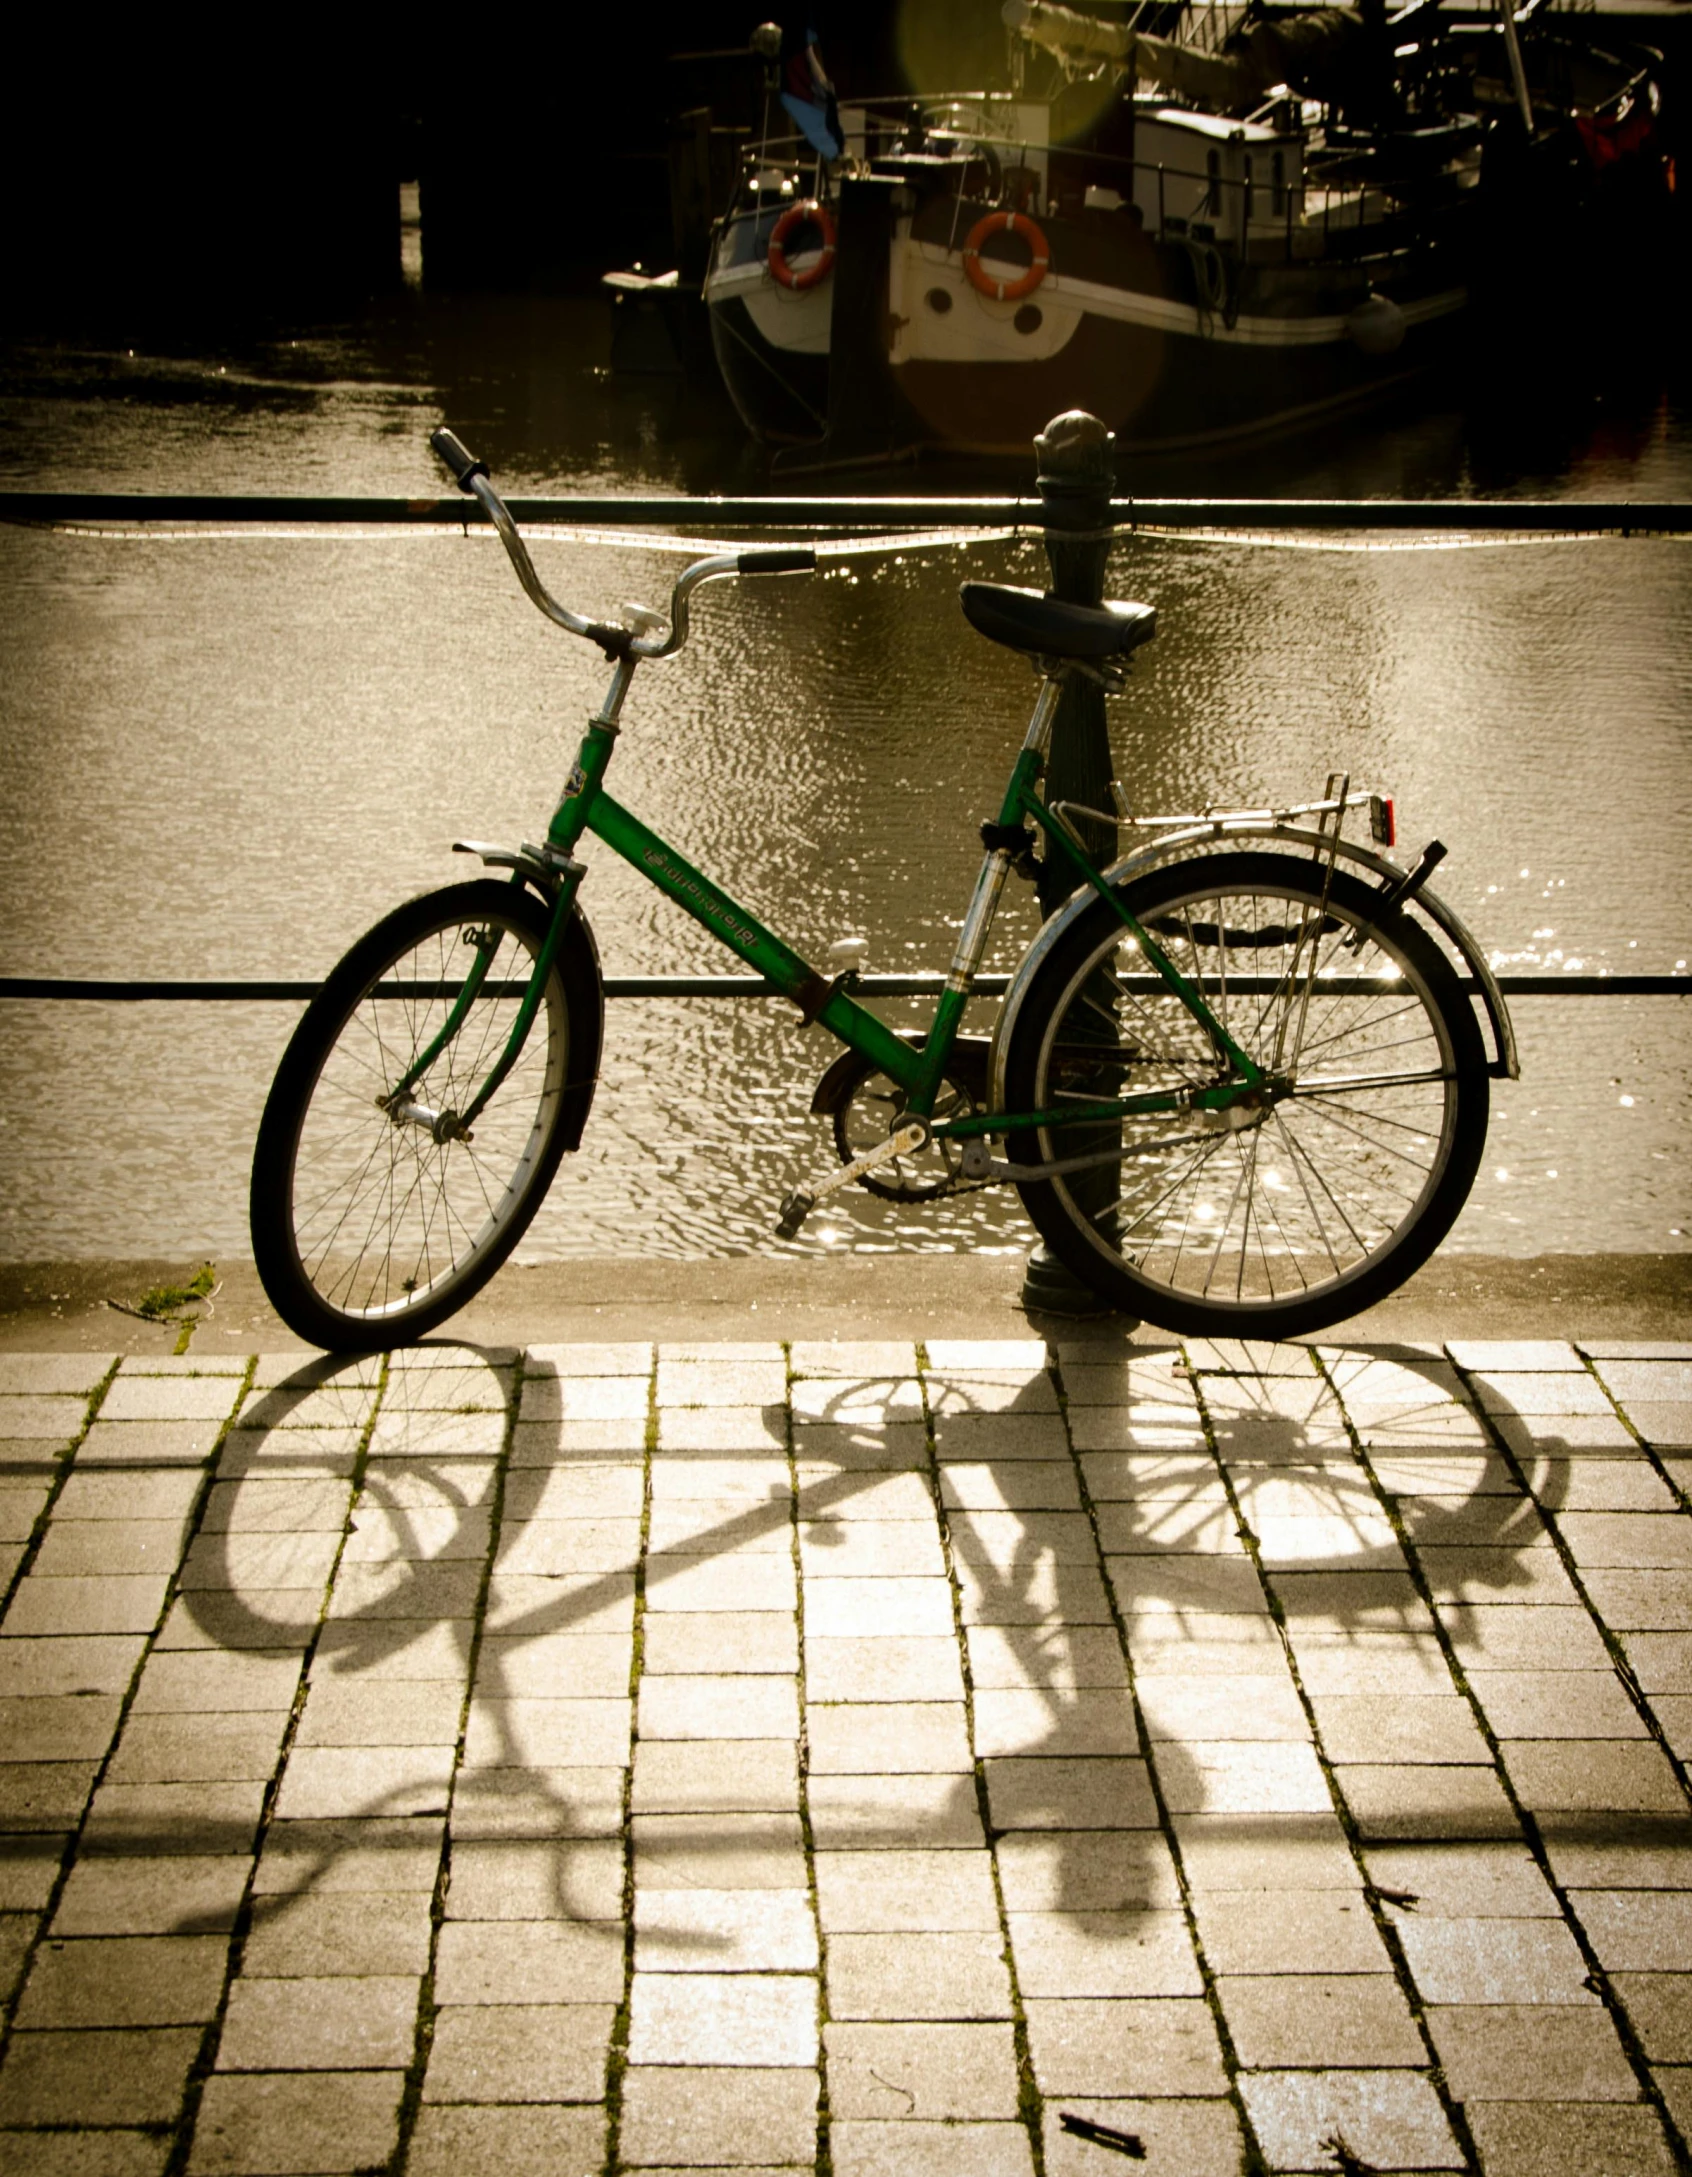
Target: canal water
(225,755)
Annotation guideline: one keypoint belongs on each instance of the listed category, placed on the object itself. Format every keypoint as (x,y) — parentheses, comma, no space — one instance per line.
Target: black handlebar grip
(457,457)
(783,559)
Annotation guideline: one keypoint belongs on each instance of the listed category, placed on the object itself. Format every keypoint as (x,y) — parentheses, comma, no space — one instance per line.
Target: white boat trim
(1122,305)
(793,321)
(1129,306)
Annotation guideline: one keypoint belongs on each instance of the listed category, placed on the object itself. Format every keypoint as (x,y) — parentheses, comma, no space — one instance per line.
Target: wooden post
(861,395)
(691,208)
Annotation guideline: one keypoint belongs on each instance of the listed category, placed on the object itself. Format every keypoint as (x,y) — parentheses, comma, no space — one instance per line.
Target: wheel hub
(441,1126)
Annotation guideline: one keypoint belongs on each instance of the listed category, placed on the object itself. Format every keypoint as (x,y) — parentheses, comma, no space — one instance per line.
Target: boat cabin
(1212,178)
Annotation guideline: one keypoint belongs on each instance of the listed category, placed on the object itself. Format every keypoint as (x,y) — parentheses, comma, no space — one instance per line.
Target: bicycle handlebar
(471,476)
(780,559)
(457,457)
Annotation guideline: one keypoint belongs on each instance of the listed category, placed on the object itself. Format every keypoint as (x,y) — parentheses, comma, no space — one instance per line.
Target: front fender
(578,966)
(1503,1064)
(584,1001)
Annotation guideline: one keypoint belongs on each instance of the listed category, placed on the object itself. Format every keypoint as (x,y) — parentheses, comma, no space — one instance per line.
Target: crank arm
(801,1202)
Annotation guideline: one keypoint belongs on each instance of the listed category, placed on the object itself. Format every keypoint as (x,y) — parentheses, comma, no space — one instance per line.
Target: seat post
(1046,706)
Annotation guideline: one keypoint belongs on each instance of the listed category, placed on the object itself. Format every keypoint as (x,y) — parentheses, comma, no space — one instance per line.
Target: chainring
(870,1105)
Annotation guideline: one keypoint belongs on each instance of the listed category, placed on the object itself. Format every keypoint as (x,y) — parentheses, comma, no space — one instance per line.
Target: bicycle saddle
(1048,627)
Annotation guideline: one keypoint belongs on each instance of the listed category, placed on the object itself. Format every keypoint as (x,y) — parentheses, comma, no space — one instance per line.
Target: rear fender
(1503,1063)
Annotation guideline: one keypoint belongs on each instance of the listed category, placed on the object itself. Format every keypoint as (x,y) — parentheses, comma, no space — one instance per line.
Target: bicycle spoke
(1326,1113)
(1310,1166)
(1350,1084)
(1222,1230)
(1350,1029)
(1289,1246)
(393,1215)
(353,1198)
(1421,1131)
(1247,1208)
(1106,1013)
(1294,1159)
(1206,1148)
(348,1281)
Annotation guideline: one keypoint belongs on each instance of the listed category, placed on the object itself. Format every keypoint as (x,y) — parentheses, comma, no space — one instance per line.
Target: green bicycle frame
(918,1069)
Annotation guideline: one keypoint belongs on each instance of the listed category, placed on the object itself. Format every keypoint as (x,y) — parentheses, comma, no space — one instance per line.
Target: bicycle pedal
(797,1207)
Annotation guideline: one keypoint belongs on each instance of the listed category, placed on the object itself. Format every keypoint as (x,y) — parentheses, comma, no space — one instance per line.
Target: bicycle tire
(366,1231)
(1343,1189)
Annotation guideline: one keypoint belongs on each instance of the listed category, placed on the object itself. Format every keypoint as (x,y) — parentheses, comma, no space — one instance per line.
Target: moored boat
(1268,217)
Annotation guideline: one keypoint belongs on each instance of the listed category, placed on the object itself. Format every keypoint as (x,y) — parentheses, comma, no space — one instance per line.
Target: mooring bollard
(1074,481)
(1075,478)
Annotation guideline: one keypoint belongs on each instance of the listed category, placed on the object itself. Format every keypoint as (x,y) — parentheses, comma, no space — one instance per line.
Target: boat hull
(1138,342)
(779,392)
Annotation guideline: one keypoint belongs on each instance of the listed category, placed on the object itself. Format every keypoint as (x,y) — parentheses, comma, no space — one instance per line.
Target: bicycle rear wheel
(1333,1195)
(367,1231)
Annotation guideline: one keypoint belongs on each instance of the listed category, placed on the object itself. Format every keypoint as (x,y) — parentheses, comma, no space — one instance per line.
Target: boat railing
(1289,215)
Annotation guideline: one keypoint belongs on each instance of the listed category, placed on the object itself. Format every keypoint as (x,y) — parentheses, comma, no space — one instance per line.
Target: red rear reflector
(1383,820)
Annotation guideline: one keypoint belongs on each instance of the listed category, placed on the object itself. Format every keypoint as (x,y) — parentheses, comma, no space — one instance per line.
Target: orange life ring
(808,214)
(983,281)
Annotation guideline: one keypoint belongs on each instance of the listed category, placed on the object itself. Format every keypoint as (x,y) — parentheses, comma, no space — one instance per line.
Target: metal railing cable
(1239,520)
(863,524)
(140,990)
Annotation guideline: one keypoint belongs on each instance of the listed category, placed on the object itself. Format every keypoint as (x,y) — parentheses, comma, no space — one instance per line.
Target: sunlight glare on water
(228,757)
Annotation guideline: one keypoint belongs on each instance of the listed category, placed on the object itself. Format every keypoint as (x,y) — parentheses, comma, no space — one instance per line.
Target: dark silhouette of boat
(1227,226)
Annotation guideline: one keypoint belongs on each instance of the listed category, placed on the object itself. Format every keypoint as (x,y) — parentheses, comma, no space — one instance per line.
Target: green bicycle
(1239,1091)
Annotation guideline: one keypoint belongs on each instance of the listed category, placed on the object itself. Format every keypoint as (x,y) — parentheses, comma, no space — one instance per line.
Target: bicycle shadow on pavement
(1042,1578)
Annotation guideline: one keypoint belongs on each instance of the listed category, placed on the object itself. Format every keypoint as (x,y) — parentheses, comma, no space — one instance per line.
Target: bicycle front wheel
(367,1230)
(1320,1203)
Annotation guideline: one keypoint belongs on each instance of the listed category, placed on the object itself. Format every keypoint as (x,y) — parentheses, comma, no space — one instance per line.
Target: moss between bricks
(807,1836)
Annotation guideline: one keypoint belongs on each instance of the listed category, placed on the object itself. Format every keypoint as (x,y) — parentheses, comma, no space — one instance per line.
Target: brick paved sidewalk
(847,1758)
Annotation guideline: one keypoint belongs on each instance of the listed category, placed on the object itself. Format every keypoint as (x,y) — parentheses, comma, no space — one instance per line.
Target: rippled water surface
(226,756)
